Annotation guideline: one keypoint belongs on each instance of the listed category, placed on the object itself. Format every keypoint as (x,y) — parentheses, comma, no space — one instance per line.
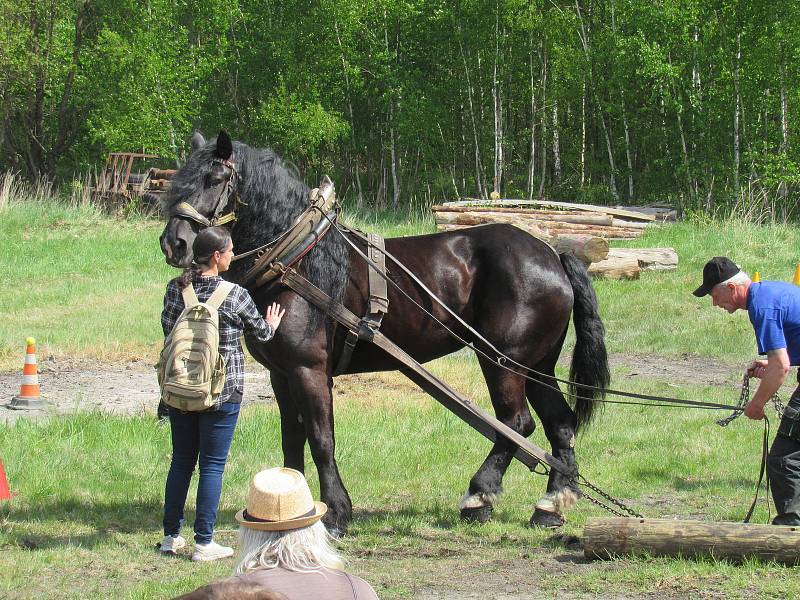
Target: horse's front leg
(311,389)
(293,431)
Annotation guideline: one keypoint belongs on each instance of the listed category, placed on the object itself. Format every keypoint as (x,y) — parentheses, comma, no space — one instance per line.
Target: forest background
(408,102)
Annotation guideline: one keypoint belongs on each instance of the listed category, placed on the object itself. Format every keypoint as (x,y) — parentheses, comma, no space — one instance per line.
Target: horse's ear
(224,146)
(198,141)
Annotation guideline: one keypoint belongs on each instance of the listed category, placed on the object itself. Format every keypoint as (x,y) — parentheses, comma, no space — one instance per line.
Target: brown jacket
(281,584)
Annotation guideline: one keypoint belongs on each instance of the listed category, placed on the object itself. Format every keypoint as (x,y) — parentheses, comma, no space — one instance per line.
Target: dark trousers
(203,437)
(783,465)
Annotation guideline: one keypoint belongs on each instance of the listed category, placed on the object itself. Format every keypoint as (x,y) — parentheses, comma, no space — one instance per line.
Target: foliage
(422,100)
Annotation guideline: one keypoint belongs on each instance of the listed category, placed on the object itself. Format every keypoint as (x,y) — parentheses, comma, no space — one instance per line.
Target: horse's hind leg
(507,391)
(293,431)
(558,421)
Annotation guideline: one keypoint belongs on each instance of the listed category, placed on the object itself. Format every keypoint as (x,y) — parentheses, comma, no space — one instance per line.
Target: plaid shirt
(237,314)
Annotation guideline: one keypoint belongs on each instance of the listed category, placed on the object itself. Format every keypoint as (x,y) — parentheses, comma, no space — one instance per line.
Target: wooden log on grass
(550,227)
(606,538)
(616,268)
(587,248)
(650,259)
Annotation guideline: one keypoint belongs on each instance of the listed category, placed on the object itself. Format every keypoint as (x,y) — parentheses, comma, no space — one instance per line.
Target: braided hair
(208,241)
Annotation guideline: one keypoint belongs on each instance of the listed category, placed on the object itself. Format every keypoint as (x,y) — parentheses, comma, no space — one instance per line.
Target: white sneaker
(171,544)
(211,551)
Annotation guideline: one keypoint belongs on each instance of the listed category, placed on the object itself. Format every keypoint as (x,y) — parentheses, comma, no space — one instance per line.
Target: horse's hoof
(546,520)
(481,514)
(336,533)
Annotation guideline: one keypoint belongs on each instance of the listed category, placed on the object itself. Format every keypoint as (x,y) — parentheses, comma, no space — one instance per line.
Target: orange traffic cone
(5,493)
(796,279)
(28,397)
(756,277)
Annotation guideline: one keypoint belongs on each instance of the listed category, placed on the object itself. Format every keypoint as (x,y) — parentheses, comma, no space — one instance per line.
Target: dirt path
(70,385)
(127,389)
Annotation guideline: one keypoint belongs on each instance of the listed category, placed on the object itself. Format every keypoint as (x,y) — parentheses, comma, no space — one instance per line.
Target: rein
(501,359)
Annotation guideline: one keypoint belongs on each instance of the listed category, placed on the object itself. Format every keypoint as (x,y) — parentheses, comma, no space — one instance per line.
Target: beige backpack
(191,371)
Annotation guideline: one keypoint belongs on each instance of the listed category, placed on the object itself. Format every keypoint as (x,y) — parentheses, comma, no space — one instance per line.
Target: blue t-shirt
(774,310)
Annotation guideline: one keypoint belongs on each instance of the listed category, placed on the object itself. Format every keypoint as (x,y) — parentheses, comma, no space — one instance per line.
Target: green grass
(89,487)
(79,282)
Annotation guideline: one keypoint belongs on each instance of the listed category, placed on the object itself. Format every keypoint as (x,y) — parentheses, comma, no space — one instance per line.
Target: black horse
(512,288)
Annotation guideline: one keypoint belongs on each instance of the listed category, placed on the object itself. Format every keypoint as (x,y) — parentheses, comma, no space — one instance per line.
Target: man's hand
(754,410)
(757,368)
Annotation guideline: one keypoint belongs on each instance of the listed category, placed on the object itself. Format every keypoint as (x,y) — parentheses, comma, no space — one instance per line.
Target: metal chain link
(744,398)
(628,512)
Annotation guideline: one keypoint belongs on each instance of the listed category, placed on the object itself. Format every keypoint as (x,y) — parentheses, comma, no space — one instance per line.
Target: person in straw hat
(284,548)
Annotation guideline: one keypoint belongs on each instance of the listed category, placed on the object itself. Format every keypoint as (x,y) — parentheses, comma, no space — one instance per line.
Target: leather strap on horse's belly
(377,306)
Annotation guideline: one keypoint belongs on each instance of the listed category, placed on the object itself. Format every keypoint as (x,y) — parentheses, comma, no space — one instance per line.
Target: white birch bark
(532,155)
(354,152)
(556,148)
(478,165)
(736,113)
(612,182)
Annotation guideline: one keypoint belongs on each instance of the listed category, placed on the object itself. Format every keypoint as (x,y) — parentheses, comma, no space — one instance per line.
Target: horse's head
(202,193)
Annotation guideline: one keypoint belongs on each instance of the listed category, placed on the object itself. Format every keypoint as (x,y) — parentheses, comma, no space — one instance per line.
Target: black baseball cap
(717,270)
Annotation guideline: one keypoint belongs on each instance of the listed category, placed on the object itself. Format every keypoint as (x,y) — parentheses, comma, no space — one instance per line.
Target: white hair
(302,549)
(739,279)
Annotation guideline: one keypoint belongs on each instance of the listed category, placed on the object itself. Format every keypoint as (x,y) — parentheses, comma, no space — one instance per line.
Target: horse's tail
(589,359)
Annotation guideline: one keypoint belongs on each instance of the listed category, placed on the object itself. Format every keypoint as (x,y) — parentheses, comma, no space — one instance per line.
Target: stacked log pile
(583,230)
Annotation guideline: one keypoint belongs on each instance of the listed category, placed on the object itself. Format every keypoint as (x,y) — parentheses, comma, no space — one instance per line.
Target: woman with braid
(204,437)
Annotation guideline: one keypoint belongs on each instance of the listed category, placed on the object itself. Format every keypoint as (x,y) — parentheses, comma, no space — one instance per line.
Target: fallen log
(552,228)
(616,268)
(587,248)
(606,538)
(650,259)
(447,214)
(568,205)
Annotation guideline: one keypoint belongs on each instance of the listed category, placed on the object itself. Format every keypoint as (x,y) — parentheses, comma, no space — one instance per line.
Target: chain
(744,398)
(627,512)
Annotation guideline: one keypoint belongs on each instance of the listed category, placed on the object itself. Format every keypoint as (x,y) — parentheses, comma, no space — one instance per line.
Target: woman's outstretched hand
(274,315)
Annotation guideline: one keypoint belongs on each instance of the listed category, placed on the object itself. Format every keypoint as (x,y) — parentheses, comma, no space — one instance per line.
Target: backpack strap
(218,297)
(189,296)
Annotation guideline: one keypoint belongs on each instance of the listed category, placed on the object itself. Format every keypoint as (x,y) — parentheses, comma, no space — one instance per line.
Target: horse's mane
(273,198)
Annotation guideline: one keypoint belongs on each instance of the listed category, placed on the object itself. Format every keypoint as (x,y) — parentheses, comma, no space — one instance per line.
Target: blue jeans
(205,436)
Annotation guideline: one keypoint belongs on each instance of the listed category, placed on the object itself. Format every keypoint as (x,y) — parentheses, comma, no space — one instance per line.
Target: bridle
(227,200)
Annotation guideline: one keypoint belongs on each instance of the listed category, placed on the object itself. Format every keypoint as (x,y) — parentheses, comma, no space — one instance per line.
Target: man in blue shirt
(774,311)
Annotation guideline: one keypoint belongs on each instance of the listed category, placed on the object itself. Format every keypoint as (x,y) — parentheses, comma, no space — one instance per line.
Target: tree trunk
(478,165)
(736,114)
(354,162)
(556,148)
(532,155)
(583,134)
(612,183)
(611,537)
(498,109)
(543,153)
(392,146)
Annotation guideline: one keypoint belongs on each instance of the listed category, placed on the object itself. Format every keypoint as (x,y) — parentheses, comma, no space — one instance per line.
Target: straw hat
(279,500)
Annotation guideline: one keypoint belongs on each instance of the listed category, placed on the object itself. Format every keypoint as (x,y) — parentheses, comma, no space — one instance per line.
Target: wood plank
(650,259)
(606,538)
(568,205)
(463,216)
(523,222)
